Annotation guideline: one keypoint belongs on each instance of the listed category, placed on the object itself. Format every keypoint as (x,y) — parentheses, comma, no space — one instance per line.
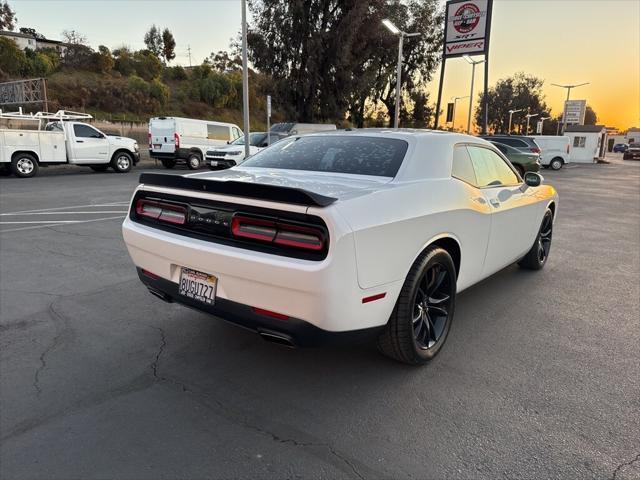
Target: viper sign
(467,27)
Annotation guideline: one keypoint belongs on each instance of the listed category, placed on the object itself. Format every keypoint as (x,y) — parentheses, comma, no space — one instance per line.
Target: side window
(490,168)
(502,148)
(514,142)
(85,131)
(579,142)
(236,133)
(217,132)
(462,169)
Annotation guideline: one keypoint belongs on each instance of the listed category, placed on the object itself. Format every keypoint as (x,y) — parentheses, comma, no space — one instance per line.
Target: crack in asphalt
(56,317)
(622,465)
(156,362)
(243,421)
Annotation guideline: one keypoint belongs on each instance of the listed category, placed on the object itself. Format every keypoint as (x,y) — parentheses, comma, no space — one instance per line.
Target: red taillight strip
(373,298)
(279,233)
(269,313)
(149,274)
(162,211)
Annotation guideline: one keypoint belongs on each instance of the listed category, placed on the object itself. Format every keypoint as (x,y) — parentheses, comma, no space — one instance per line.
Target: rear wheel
(556,163)
(194,161)
(99,168)
(168,163)
(421,319)
(122,162)
(536,258)
(24,165)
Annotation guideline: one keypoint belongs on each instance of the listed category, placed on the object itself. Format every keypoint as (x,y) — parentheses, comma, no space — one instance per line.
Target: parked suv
(522,161)
(527,144)
(633,152)
(620,147)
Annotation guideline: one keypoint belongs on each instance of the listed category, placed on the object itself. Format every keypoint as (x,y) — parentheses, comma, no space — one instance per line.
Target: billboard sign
(22,92)
(539,127)
(574,111)
(467,27)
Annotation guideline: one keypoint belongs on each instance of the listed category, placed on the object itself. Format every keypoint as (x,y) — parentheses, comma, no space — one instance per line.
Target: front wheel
(536,258)
(556,163)
(194,161)
(24,165)
(122,162)
(421,319)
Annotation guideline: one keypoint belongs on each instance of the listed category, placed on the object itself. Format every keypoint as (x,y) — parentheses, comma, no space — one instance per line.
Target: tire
(99,168)
(421,319)
(556,163)
(537,257)
(625,157)
(122,162)
(5,169)
(168,163)
(194,161)
(24,165)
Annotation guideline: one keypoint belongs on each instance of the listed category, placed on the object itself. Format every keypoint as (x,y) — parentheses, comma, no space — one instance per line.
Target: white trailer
(58,139)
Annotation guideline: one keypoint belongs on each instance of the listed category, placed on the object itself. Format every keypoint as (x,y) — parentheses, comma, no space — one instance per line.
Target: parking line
(47,224)
(18,214)
(116,204)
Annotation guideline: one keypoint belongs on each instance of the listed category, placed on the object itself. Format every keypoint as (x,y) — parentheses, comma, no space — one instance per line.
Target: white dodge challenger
(341,236)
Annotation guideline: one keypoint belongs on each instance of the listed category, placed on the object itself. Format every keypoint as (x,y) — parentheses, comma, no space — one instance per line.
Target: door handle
(495,202)
(79,141)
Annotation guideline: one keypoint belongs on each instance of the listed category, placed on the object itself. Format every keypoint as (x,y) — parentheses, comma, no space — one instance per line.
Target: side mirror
(533,179)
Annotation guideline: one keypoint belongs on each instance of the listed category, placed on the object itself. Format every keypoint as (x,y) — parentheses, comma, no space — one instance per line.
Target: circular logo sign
(467,18)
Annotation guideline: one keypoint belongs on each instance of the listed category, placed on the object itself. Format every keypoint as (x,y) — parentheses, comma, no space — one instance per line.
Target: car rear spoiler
(273,193)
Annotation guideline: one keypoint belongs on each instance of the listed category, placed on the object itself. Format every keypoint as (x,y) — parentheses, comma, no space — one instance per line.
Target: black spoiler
(273,193)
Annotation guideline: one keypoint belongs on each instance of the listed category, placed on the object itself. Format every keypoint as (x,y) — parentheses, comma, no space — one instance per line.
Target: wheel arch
(198,152)
(121,150)
(29,152)
(448,242)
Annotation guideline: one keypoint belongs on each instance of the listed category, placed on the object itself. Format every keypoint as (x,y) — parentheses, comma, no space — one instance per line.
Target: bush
(79,57)
(124,61)
(147,65)
(159,91)
(13,61)
(176,73)
(137,85)
(103,60)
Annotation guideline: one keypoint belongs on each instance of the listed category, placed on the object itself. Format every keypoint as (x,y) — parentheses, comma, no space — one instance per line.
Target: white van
(185,140)
(555,150)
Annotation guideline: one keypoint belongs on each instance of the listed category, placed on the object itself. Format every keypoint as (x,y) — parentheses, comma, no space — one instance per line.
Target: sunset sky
(561,41)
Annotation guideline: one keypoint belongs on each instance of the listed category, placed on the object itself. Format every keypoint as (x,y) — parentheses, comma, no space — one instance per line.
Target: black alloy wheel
(431,306)
(537,256)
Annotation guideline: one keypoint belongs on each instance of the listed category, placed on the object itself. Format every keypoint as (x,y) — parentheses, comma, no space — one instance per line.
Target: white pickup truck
(62,140)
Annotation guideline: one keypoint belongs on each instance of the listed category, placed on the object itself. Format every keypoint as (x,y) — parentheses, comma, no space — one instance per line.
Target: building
(588,142)
(34,41)
(630,136)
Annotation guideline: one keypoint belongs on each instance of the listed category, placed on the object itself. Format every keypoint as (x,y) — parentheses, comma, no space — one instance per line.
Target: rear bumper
(179,154)
(292,331)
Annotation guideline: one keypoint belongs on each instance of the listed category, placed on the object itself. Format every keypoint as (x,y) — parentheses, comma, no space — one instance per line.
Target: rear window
(514,142)
(634,145)
(337,154)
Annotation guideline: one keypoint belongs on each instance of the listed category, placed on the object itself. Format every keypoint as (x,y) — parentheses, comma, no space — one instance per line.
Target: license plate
(157,146)
(198,286)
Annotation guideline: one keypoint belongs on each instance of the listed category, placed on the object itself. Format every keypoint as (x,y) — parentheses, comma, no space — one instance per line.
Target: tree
(73,37)
(104,60)
(521,91)
(13,61)
(329,57)
(222,62)
(153,41)
(590,117)
(168,45)
(7,17)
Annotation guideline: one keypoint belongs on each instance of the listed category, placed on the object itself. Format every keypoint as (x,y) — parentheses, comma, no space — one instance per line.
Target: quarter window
(579,142)
(462,168)
(514,142)
(491,170)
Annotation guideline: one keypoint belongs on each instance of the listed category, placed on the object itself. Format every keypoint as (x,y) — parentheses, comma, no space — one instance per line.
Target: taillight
(535,149)
(150,144)
(567,148)
(176,139)
(279,233)
(163,212)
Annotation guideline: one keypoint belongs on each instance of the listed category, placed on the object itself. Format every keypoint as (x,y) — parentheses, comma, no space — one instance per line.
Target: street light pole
(529,116)
(473,74)
(511,112)
(245,82)
(396,31)
(542,119)
(564,113)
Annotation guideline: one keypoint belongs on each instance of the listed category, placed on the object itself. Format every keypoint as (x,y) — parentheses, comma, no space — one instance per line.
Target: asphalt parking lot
(540,377)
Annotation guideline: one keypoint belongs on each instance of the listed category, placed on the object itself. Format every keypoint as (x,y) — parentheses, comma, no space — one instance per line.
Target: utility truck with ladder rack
(60,138)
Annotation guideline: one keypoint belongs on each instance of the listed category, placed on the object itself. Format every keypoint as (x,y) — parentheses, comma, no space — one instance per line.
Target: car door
(89,145)
(513,208)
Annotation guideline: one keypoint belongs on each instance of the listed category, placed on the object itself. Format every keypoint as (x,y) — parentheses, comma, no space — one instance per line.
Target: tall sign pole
(245,82)
(466,32)
(268,119)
